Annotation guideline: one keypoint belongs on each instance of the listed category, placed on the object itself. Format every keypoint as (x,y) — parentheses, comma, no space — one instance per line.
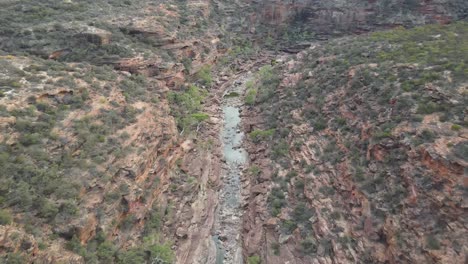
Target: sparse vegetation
(367,101)
(84,87)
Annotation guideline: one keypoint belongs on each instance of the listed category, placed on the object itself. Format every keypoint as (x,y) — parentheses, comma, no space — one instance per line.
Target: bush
(288,226)
(185,107)
(47,209)
(204,75)
(162,253)
(461,150)
(251,96)
(27,139)
(261,135)
(255,170)
(429,108)
(5,217)
(14,258)
(133,256)
(200,117)
(309,246)
(276,248)
(281,149)
(302,213)
(456,127)
(319,123)
(432,242)
(105,252)
(151,251)
(255,259)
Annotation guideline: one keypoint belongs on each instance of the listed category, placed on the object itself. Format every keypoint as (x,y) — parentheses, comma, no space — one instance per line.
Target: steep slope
(359,153)
(94,167)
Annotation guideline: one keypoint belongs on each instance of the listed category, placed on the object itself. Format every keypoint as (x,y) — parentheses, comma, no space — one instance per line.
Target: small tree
(199,118)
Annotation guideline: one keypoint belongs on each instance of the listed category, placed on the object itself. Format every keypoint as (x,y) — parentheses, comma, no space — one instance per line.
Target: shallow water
(229,216)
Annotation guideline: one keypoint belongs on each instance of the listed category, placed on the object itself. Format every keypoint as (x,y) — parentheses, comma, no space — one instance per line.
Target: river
(228,223)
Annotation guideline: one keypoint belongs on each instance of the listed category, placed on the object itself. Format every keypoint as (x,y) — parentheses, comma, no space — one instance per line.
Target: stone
(181,232)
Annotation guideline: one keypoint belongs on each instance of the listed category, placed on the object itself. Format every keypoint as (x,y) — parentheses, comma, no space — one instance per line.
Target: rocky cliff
(304,19)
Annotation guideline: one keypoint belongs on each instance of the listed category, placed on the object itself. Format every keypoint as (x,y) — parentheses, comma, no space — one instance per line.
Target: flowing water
(228,223)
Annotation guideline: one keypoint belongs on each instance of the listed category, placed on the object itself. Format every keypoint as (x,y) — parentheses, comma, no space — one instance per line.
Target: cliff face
(340,17)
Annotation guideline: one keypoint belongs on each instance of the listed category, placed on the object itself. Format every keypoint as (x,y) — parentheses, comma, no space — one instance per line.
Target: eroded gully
(228,222)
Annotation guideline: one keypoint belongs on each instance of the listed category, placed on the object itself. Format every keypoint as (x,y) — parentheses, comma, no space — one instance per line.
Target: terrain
(233,132)
(358,151)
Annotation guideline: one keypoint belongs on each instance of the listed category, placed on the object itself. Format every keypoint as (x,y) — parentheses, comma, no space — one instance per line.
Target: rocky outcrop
(338,17)
(95,36)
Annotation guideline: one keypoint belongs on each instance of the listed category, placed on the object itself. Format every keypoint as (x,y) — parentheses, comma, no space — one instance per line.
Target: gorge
(264,131)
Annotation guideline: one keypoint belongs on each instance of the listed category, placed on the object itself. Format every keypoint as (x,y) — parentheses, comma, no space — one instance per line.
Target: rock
(96,36)
(125,172)
(272,222)
(181,233)
(59,53)
(284,238)
(259,189)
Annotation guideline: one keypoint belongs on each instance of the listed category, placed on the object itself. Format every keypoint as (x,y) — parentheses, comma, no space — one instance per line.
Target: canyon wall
(340,17)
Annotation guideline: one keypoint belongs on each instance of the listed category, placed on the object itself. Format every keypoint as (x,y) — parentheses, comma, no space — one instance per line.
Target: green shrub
(429,108)
(132,256)
(276,248)
(47,209)
(288,226)
(461,150)
(432,242)
(319,123)
(456,127)
(309,246)
(187,62)
(204,75)
(185,107)
(13,258)
(251,96)
(106,252)
(200,117)
(151,251)
(281,149)
(261,135)
(5,217)
(276,200)
(75,245)
(255,170)
(302,213)
(161,252)
(255,259)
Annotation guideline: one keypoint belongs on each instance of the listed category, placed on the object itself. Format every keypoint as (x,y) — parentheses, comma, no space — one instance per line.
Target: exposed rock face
(331,17)
(95,36)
